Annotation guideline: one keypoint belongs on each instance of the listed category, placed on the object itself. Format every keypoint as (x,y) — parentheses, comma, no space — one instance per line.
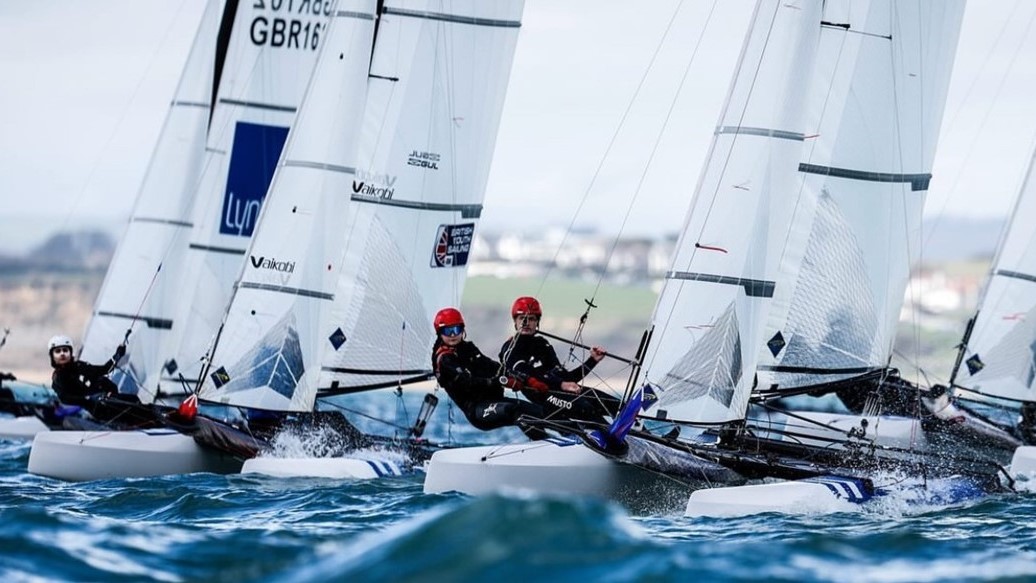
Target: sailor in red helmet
(532,360)
(474,381)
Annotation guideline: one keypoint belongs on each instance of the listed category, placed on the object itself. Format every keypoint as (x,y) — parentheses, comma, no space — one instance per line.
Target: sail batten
(753,287)
(257,105)
(465,210)
(320,166)
(161,221)
(765,132)
(916,181)
(213,249)
(454,18)
(292,291)
(1015,275)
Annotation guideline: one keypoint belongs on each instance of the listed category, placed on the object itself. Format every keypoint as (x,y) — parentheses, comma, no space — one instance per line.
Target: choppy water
(207,527)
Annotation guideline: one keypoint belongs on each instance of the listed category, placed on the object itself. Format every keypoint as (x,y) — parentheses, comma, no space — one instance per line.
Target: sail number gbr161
(289,24)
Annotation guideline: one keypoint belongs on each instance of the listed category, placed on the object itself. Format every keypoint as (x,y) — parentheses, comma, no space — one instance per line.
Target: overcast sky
(84,87)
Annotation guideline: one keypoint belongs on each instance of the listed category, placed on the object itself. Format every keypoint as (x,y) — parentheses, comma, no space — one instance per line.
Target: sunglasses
(523,318)
(455,330)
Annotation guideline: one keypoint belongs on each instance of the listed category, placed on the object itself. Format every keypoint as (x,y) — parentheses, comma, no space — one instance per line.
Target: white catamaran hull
(824,495)
(24,427)
(339,468)
(552,466)
(96,455)
(817,496)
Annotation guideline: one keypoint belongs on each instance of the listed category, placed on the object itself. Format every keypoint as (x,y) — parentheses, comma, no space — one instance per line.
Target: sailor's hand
(597,353)
(511,383)
(537,384)
(570,387)
(120,351)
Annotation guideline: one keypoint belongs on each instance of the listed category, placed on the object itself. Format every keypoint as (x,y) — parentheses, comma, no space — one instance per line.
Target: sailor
(473,380)
(77,381)
(531,359)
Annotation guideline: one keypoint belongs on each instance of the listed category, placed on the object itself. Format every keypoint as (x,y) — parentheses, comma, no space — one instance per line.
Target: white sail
(135,294)
(270,50)
(414,179)
(273,333)
(709,318)
(877,101)
(1000,358)
(438,80)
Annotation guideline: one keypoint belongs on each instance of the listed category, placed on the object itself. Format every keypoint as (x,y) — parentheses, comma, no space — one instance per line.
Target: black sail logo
(272,264)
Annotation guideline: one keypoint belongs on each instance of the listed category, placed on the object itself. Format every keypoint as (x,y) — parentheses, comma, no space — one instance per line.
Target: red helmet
(447,317)
(526,305)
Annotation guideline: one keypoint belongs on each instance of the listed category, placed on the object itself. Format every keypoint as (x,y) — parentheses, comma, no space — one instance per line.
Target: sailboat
(862,156)
(722,281)
(392,252)
(878,99)
(240,96)
(996,363)
(132,296)
(338,263)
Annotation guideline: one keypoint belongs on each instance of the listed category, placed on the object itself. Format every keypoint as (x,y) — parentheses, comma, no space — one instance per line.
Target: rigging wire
(615,135)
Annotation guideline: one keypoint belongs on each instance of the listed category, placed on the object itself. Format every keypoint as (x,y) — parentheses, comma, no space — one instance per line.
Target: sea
(234,528)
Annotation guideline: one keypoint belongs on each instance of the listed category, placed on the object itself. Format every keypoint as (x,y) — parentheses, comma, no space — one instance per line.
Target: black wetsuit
(533,357)
(76,381)
(472,380)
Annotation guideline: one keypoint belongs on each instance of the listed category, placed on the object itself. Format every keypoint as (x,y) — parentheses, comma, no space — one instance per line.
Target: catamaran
(240,97)
(791,266)
(368,224)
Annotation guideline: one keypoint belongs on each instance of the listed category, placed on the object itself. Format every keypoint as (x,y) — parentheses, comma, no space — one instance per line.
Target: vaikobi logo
(374,185)
(253,158)
(271,263)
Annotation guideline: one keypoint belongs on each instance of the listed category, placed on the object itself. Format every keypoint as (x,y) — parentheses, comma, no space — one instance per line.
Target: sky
(86,85)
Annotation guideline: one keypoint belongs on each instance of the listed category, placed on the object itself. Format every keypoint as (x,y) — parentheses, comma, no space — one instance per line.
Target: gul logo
(420,159)
(271,263)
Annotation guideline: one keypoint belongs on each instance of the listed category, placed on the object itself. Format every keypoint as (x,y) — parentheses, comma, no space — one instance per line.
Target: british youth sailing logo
(452,245)
(253,158)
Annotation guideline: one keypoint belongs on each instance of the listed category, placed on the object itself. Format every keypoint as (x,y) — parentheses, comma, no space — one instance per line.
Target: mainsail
(363,260)
(268,52)
(438,80)
(876,105)
(1000,355)
(709,318)
(273,332)
(136,294)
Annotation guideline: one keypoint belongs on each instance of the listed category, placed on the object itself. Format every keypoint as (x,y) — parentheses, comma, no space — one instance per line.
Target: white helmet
(60,340)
